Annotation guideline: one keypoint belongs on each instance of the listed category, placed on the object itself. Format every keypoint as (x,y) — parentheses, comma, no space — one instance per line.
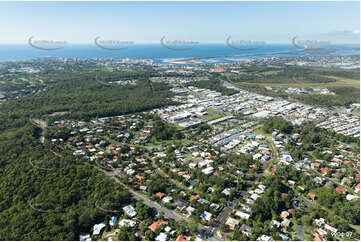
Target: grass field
(259,131)
(340,82)
(356,227)
(212,115)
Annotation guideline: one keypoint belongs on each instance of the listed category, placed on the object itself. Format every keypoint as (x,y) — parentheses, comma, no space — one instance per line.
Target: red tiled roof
(291,210)
(266,152)
(311,195)
(318,237)
(160,194)
(325,170)
(181,238)
(341,190)
(156,225)
(140,176)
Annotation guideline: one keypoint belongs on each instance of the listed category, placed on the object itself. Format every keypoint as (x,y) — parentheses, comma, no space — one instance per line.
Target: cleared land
(340,82)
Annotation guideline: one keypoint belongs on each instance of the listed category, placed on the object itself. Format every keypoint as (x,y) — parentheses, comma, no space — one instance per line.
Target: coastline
(160,55)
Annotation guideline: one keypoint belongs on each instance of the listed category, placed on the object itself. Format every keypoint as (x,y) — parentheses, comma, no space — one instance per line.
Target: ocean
(208,53)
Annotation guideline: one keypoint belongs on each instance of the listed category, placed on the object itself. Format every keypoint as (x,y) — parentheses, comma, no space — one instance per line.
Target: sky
(205,22)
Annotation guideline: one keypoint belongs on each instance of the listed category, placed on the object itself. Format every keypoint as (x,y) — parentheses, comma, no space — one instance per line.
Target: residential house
(325,170)
(208,170)
(113,221)
(167,199)
(181,238)
(318,237)
(264,237)
(159,195)
(130,211)
(330,228)
(275,223)
(341,190)
(357,188)
(162,237)
(285,223)
(350,197)
(319,222)
(190,210)
(254,196)
(156,226)
(284,237)
(246,230)
(97,229)
(284,214)
(226,191)
(292,183)
(143,188)
(242,215)
(319,180)
(312,196)
(127,223)
(232,223)
(206,216)
(321,231)
(181,205)
(85,237)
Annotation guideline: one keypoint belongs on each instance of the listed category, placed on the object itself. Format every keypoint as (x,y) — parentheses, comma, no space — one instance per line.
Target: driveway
(299,232)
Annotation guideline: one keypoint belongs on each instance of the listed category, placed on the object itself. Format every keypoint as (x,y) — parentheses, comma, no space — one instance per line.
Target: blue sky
(206,22)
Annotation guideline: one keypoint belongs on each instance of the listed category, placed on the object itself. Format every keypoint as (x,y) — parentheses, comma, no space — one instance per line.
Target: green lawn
(259,131)
(356,227)
(212,115)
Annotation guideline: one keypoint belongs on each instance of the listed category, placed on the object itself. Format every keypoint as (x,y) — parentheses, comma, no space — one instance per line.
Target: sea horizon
(160,54)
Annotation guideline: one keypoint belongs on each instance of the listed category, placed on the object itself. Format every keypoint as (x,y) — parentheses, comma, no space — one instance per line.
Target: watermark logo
(45,206)
(178,45)
(244,44)
(310,45)
(48,165)
(108,207)
(112,44)
(46,44)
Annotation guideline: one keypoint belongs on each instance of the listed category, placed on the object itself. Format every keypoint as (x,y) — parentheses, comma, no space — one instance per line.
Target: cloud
(345,33)
(341,36)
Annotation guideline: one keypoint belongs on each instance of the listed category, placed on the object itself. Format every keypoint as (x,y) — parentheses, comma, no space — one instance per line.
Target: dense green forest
(47,197)
(56,203)
(84,97)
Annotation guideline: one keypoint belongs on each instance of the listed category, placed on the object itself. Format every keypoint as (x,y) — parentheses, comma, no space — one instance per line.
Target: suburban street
(211,233)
